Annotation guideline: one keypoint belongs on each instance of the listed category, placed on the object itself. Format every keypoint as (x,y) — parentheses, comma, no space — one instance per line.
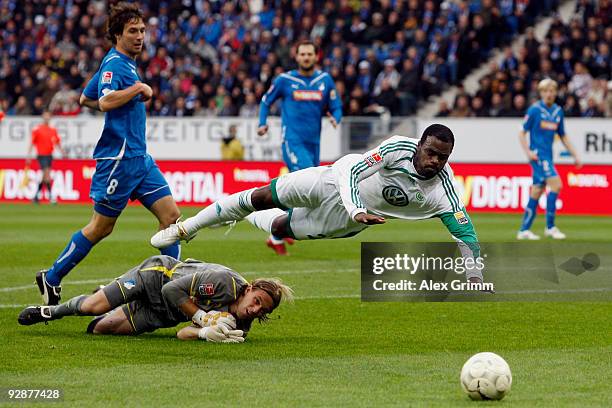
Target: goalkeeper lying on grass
(163,292)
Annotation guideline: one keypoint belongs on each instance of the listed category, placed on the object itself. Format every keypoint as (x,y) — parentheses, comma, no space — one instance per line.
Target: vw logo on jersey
(395,196)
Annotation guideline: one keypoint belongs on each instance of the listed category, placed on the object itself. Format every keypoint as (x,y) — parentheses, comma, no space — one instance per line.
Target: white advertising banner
(479,140)
(167,138)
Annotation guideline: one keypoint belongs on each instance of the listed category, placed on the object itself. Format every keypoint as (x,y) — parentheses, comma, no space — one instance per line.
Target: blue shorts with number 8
(542,170)
(115,182)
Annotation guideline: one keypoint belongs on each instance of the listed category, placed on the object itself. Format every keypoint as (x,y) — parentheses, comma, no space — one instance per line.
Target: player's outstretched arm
(268,99)
(335,105)
(462,230)
(570,147)
(531,156)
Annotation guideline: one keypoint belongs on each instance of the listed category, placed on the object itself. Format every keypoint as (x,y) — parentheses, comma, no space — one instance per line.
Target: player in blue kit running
(124,170)
(307,94)
(543,120)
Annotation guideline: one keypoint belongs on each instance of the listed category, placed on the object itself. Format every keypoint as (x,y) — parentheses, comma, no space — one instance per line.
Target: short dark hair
(440,132)
(306,42)
(121,14)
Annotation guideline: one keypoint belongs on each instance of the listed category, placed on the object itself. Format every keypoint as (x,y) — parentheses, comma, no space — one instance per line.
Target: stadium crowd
(576,55)
(214,58)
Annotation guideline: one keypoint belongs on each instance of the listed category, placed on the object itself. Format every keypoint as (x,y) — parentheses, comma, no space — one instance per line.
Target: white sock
(264,219)
(231,208)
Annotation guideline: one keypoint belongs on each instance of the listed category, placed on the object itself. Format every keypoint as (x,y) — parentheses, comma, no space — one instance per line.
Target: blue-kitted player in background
(308,94)
(124,170)
(543,120)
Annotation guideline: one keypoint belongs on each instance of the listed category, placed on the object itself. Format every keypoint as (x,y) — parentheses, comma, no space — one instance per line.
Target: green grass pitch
(328,349)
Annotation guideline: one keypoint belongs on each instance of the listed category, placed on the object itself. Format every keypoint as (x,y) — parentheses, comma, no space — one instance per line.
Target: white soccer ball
(486,376)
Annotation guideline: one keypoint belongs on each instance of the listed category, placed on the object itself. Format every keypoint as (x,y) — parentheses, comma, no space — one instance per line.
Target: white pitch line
(69,283)
(90,281)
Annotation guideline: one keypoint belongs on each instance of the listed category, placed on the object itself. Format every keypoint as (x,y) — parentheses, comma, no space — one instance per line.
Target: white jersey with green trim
(383,181)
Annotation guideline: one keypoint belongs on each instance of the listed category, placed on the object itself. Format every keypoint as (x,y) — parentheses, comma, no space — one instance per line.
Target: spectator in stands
(389,74)
(580,84)
(592,109)
(443,109)
(408,88)
(462,107)
(200,41)
(478,108)
(250,108)
(231,148)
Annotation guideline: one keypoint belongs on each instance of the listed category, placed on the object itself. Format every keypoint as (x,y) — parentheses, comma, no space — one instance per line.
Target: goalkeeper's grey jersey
(210,286)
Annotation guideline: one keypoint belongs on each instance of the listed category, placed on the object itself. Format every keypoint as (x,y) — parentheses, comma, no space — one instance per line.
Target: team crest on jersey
(419,197)
(548,125)
(107,77)
(395,196)
(129,284)
(207,289)
(373,159)
(307,95)
(460,217)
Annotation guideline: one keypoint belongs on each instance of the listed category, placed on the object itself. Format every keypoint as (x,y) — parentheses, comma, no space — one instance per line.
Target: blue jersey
(305,101)
(543,123)
(91,89)
(124,127)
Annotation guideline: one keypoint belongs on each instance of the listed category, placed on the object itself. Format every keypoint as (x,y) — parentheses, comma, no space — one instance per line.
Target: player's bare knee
(95,304)
(262,198)
(279,227)
(536,191)
(104,326)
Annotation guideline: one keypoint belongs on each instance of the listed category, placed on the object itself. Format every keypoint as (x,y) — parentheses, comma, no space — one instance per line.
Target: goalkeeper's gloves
(221,334)
(206,319)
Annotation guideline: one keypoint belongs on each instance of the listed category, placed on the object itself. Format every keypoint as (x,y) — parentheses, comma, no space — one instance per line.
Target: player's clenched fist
(146,92)
(262,130)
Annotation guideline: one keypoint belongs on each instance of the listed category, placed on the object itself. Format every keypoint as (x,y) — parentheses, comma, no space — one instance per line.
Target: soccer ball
(486,376)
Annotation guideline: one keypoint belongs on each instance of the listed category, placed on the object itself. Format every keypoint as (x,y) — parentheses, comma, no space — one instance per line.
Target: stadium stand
(217,58)
(575,54)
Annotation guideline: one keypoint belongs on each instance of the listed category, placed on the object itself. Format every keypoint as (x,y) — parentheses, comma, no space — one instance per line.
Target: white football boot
(554,233)
(170,235)
(528,235)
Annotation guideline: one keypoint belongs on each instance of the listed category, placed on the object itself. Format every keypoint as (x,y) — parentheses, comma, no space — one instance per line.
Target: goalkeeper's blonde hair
(277,290)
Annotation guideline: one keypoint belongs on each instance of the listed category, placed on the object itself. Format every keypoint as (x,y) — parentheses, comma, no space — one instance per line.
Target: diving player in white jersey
(398,179)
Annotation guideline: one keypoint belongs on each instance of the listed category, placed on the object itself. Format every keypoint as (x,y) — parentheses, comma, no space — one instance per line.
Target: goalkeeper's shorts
(138,293)
(313,204)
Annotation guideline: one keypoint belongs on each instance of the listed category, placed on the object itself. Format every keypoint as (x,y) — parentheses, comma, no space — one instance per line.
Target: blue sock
(173,250)
(530,213)
(75,251)
(551,209)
